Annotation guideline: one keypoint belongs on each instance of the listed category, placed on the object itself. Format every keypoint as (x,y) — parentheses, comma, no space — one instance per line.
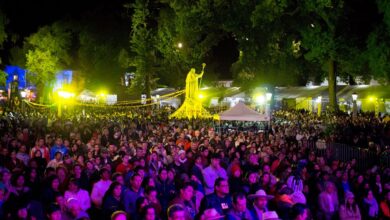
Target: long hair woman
(349,210)
(112,201)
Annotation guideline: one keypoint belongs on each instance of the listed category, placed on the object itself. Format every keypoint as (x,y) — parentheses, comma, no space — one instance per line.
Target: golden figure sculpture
(192,82)
(192,106)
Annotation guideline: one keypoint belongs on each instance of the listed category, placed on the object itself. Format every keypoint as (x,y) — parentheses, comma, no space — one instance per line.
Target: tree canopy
(48,54)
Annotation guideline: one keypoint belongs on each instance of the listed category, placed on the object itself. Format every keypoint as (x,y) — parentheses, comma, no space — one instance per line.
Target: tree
(3,37)
(143,56)
(3,22)
(48,53)
(101,36)
(378,46)
(187,31)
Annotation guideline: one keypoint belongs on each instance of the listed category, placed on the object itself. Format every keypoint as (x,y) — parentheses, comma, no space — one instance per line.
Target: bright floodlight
(269,96)
(23,94)
(354,96)
(260,99)
(319,99)
(65,94)
(180,45)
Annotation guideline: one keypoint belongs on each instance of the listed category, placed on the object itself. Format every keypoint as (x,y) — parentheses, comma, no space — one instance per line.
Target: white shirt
(98,191)
(210,175)
(82,196)
(331,203)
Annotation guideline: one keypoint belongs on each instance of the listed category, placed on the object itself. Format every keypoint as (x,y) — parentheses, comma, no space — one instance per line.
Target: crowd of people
(140,165)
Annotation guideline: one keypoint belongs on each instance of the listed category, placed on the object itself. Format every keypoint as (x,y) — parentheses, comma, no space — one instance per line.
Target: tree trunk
(332,86)
(148,86)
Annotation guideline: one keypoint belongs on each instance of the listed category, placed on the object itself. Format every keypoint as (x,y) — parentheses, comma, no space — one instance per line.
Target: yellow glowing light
(260,99)
(65,94)
(180,45)
(371,98)
(201,96)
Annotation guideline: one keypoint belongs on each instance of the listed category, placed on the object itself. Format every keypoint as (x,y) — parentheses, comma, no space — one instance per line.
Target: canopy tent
(241,112)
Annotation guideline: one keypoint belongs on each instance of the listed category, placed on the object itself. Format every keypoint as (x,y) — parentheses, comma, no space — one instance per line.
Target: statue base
(191,109)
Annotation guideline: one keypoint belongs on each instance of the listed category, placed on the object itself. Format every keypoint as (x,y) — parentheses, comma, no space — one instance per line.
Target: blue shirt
(56,149)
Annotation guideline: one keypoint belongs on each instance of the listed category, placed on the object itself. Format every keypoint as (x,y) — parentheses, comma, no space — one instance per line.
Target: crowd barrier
(365,158)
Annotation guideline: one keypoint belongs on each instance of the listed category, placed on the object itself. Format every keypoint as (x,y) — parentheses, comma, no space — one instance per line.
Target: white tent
(241,112)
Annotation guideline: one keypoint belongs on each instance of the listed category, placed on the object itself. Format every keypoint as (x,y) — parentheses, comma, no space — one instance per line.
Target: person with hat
(119,215)
(176,212)
(259,204)
(270,215)
(349,210)
(211,214)
(74,209)
(212,172)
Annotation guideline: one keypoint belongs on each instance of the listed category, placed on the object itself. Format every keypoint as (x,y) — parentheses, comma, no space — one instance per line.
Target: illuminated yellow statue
(192,83)
(192,106)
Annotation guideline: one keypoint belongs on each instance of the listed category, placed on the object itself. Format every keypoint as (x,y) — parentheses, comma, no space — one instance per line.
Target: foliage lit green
(48,54)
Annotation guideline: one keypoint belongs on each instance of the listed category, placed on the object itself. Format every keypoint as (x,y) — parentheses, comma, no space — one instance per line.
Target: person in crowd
(299,211)
(132,193)
(100,188)
(51,190)
(328,202)
(283,202)
(56,161)
(125,166)
(260,201)
(299,151)
(211,214)
(220,200)
(40,146)
(81,195)
(349,210)
(176,212)
(385,206)
(165,188)
(13,163)
(74,210)
(80,177)
(185,199)
(112,200)
(270,215)
(58,147)
(54,212)
(119,215)
(236,183)
(149,213)
(370,207)
(151,196)
(212,173)
(22,155)
(239,210)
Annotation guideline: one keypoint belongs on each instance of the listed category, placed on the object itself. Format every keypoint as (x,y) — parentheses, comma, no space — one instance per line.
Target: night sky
(26,16)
